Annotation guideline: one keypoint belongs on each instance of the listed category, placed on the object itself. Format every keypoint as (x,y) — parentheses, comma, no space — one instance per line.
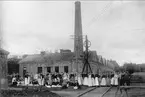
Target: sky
(116,29)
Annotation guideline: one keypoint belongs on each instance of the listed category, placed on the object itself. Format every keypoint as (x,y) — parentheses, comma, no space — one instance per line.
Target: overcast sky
(116,29)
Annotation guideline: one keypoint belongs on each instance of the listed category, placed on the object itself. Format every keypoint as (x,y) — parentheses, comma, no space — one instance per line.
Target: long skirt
(108,81)
(93,82)
(89,81)
(42,81)
(116,81)
(85,81)
(26,81)
(96,81)
(39,81)
(112,81)
(80,80)
(103,82)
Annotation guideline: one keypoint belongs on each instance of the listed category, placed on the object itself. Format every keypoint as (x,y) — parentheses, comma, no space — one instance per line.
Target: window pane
(49,69)
(57,69)
(66,69)
(39,69)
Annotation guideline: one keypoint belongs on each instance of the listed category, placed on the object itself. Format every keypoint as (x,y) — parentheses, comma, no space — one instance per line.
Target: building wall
(3,70)
(32,68)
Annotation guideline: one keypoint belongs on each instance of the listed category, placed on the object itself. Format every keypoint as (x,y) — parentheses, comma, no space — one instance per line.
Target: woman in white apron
(103,81)
(42,79)
(26,79)
(85,80)
(96,80)
(79,79)
(49,81)
(108,80)
(116,79)
(89,80)
(112,80)
(39,79)
(93,79)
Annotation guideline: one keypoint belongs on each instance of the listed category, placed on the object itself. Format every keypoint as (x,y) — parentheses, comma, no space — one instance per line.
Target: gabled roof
(35,58)
(49,58)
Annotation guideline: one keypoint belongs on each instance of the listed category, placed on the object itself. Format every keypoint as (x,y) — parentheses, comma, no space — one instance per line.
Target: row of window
(49,70)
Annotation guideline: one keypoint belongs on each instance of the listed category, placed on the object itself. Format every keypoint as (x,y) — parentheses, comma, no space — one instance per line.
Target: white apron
(89,81)
(93,82)
(103,82)
(26,81)
(80,80)
(39,81)
(42,81)
(112,81)
(116,80)
(85,81)
(96,81)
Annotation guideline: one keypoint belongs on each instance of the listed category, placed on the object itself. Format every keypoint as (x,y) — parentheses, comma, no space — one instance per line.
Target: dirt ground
(134,92)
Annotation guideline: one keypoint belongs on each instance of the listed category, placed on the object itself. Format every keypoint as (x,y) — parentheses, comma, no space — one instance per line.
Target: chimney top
(77,2)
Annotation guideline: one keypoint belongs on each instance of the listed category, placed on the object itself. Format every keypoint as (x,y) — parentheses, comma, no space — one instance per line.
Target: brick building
(58,62)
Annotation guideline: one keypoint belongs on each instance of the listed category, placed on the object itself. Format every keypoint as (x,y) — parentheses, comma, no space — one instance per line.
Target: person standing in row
(103,81)
(97,80)
(116,76)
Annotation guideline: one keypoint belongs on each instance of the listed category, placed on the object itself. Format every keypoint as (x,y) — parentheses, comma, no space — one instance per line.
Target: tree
(13,65)
(131,67)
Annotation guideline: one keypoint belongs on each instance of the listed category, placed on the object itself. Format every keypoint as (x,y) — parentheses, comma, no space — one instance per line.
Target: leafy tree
(13,65)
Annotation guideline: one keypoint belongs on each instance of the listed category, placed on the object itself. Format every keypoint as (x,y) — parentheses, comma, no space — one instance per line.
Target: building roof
(105,68)
(35,58)
(93,56)
(49,58)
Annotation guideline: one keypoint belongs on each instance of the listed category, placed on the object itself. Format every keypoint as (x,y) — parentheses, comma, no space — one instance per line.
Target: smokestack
(78,41)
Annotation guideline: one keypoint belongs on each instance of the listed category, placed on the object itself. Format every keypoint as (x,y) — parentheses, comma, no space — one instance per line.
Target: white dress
(112,81)
(89,81)
(42,81)
(116,79)
(103,81)
(39,80)
(96,81)
(26,81)
(93,82)
(85,82)
(80,80)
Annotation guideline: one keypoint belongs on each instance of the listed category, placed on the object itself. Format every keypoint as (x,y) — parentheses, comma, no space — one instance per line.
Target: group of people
(76,80)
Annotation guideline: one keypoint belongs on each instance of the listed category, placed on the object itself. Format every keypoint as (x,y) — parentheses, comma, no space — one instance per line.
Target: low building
(58,62)
(46,63)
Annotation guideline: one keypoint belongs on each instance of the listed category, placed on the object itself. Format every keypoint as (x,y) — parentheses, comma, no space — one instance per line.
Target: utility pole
(86,68)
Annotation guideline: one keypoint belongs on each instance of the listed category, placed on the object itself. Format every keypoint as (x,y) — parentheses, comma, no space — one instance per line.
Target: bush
(136,79)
